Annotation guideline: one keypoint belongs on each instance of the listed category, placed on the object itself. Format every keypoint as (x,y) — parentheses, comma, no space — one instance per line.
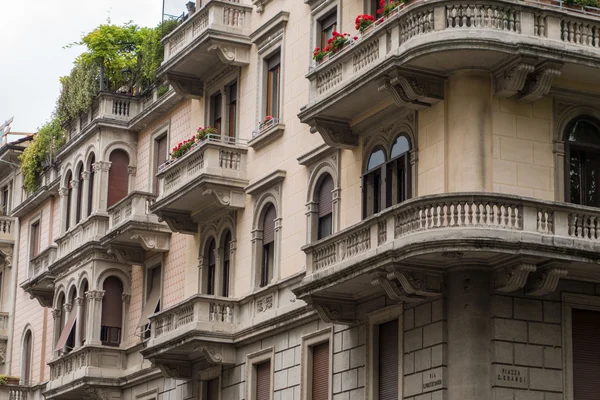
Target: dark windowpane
(216,106)
(325,223)
(267,265)
(232,109)
(90,193)
(585,131)
(376,159)
(399,147)
(592,174)
(212,261)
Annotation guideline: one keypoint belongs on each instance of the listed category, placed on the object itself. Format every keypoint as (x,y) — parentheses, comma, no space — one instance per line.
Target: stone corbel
(511,80)
(226,198)
(97,393)
(513,278)
(260,5)
(6,252)
(399,96)
(231,54)
(217,354)
(154,242)
(336,133)
(334,311)
(179,222)
(417,283)
(546,282)
(186,85)
(176,370)
(539,83)
(394,291)
(420,91)
(3,343)
(126,255)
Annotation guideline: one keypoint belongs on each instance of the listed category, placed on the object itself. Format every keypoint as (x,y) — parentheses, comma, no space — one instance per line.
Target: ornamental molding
(513,278)
(231,54)
(178,221)
(260,5)
(336,133)
(546,281)
(152,242)
(6,252)
(510,79)
(271,31)
(539,82)
(399,96)
(335,311)
(126,255)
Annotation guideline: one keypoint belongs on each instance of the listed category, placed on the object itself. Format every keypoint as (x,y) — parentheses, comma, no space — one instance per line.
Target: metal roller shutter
(326,196)
(586,354)
(263,380)
(118,177)
(320,372)
(269,225)
(388,360)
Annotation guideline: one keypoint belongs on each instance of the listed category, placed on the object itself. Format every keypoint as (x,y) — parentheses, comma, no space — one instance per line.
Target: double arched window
(268,253)
(386,180)
(582,156)
(79,190)
(217,256)
(112,312)
(27,358)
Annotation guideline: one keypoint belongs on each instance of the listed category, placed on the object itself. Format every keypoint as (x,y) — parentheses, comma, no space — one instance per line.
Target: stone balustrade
(7,232)
(15,392)
(92,229)
(4,316)
(529,23)
(134,207)
(87,362)
(228,16)
(216,155)
(476,215)
(42,261)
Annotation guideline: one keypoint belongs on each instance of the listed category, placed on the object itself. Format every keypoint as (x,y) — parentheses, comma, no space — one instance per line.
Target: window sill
(267,136)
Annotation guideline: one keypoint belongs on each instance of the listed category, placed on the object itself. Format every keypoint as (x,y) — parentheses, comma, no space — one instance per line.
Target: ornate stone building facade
(418,220)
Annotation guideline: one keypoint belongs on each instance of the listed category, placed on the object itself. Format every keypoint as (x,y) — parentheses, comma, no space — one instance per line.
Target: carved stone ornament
(230,53)
(417,283)
(132,170)
(154,242)
(97,393)
(260,5)
(426,91)
(394,291)
(539,83)
(3,343)
(127,255)
(399,96)
(546,282)
(56,313)
(186,85)
(336,133)
(513,278)
(179,222)
(95,295)
(6,253)
(334,310)
(102,166)
(510,80)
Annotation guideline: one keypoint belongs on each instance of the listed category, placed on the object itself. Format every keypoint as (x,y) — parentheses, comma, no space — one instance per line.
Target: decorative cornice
(271,30)
(266,182)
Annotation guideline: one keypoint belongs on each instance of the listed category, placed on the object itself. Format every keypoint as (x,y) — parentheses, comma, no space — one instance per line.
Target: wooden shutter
(326,196)
(160,156)
(112,305)
(269,225)
(90,193)
(586,354)
(263,380)
(388,360)
(118,177)
(226,264)
(27,355)
(35,239)
(320,371)
(212,390)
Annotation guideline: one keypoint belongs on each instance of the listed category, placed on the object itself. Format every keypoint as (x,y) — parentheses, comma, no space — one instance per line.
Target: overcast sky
(32,58)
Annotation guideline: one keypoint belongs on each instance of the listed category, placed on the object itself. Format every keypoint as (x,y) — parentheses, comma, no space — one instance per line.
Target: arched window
(268,254)
(83,322)
(112,312)
(61,319)
(582,157)
(325,202)
(398,171)
(79,194)
(373,189)
(69,200)
(212,267)
(226,264)
(27,357)
(90,193)
(118,177)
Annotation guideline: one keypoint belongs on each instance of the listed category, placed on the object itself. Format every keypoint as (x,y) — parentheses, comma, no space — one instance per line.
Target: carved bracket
(186,85)
(217,354)
(422,91)
(153,242)
(227,198)
(511,79)
(417,283)
(231,54)
(334,311)
(394,291)
(6,253)
(513,278)
(336,133)
(176,370)
(126,255)
(546,282)
(178,222)
(399,96)
(539,83)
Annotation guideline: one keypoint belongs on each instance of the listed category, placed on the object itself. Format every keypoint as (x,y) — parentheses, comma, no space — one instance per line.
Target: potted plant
(388,8)
(320,55)
(203,133)
(266,123)
(337,42)
(364,23)
(182,148)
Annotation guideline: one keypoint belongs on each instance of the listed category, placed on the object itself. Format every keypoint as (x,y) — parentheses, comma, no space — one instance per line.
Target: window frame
(328,21)
(221,87)
(252,360)
(6,194)
(149,266)
(271,102)
(387,314)
(36,221)
(582,148)
(570,301)
(308,342)
(162,130)
(27,362)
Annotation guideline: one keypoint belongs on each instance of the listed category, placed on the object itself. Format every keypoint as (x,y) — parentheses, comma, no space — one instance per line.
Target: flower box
(267,123)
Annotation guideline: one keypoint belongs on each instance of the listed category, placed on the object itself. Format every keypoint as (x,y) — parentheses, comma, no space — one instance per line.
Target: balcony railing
(228,16)
(206,314)
(87,231)
(458,213)
(15,392)
(215,155)
(42,261)
(134,207)
(7,228)
(4,323)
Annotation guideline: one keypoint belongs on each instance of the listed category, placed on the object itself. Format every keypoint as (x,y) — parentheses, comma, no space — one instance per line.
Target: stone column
(126,299)
(85,187)
(74,205)
(101,169)
(56,313)
(79,301)
(469,307)
(63,193)
(469,132)
(132,171)
(312,215)
(94,324)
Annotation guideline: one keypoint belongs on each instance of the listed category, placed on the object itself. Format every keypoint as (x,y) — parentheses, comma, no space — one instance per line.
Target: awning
(150,306)
(62,340)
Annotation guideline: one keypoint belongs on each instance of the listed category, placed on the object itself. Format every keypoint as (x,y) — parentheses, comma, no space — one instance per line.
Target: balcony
(214,36)
(203,330)
(525,45)
(90,231)
(7,230)
(206,180)
(40,284)
(404,250)
(18,391)
(47,187)
(131,224)
(77,374)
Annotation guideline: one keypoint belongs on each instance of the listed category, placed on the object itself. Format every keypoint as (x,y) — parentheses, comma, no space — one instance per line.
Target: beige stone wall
(523,158)
(431,156)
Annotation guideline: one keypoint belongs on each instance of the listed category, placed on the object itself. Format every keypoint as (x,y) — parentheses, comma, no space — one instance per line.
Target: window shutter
(263,380)
(35,239)
(274,61)
(118,177)
(66,331)
(212,389)
(90,193)
(161,157)
(586,354)
(112,305)
(326,197)
(320,372)
(269,225)
(388,360)
(27,355)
